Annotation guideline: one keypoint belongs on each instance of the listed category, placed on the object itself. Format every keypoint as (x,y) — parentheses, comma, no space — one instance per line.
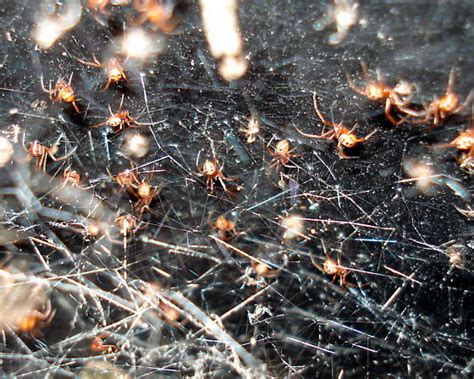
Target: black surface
(312,328)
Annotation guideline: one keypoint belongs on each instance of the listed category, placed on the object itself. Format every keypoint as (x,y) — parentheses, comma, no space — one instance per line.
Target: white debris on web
(426,179)
(221,26)
(345,14)
(293,226)
(51,24)
(137,44)
(135,145)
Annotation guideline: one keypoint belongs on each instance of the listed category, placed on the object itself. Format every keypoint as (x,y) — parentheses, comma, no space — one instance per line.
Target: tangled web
(234,281)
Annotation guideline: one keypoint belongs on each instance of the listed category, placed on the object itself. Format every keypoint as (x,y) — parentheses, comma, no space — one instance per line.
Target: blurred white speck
(47,32)
(50,26)
(233,67)
(13,111)
(293,225)
(221,26)
(421,173)
(381,36)
(314,207)
(135,145)
(137,44)
(345,14)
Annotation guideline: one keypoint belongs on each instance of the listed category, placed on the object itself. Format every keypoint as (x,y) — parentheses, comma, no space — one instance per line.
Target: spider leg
(210,184)
(39,162)
(274,164)
(320,268)
(107,85)
(399,101)
(468,101)
(327,135)
(444,145)
(290,155)
(76,108)
(379,75)
(227,179)
(197,162)
(43,87)
(411,112)
(353,128)
(96,63)
(216,162)
(124,76)
(388,111)
(368,135)
(340,150)
(51,155)
(423,116)
(365,71)
(43,160)
(318,112)
(48,313)
(451,80)
(99,124)
(222,182)
(354,86)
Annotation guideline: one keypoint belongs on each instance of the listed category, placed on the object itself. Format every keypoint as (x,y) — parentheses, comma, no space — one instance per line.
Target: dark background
(303,325)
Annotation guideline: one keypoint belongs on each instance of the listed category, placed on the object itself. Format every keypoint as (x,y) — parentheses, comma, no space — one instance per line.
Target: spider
(282,154)
(94,229)
(463,142)
(440,108)
(41,153)
(72,177)
(169,313)
(126,223)
(118,121)
(399,96)
(456,256)
(263,270)
(345,137)
(114,69)
(97,345)
(226,228)
(167,310)
(159,13)
(334,268)
(211,170)
(252,129)
(127,179)
(62,92)
(145,194)
(36,320)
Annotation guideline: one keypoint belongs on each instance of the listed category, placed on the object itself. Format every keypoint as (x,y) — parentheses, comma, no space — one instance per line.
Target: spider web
(406,308)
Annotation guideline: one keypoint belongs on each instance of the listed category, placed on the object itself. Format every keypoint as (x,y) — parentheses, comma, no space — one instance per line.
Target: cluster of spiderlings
(399,99)
(182,227)
(434,113)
